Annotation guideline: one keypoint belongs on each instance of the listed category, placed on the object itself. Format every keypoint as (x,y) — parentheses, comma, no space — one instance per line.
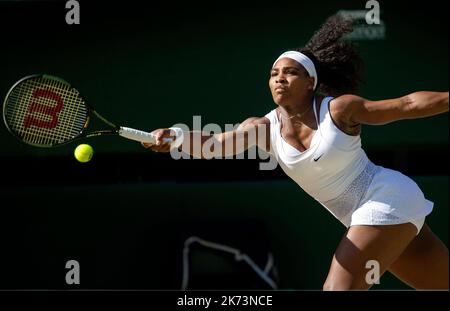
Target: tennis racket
(46,111)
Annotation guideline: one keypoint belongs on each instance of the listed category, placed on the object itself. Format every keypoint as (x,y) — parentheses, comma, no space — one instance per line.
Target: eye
(273,73)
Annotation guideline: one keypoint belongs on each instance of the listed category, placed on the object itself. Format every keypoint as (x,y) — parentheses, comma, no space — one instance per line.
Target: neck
(298,111)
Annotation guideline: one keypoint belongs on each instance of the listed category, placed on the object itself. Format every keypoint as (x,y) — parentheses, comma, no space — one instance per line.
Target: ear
(311,84)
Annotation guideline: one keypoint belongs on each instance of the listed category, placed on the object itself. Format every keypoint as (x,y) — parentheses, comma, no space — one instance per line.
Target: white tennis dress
(336,172)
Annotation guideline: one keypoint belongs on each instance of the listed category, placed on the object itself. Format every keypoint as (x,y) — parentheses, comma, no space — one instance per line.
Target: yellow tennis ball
(83,153)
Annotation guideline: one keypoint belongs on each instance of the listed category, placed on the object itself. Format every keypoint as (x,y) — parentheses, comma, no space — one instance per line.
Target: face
(289,82)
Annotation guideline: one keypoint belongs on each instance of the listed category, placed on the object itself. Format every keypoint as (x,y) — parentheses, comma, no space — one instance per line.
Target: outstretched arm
(253,131)
(354,110)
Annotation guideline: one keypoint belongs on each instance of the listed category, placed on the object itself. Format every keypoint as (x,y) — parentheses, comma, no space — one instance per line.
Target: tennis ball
(83,153)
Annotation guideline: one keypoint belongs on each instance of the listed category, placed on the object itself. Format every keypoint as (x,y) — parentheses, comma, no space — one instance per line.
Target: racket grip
(138,135)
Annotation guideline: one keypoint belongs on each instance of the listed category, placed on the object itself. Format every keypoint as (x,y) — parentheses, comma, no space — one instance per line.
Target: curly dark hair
(339,67)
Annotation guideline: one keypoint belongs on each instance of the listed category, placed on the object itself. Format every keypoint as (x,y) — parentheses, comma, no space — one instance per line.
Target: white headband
(303,60)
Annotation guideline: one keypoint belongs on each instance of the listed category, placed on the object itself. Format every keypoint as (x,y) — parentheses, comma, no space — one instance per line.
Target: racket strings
(37,134)
(39,113)
(24,121)
(56,116)
(66,121)
(22,113)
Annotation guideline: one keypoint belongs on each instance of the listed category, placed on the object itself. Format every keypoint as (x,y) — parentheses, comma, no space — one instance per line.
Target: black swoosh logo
(317,159)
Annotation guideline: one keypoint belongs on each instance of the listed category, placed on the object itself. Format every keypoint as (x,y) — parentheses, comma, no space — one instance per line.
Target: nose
(280,78)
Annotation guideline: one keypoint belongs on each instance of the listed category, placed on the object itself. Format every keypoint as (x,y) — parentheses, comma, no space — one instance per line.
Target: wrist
(179,136)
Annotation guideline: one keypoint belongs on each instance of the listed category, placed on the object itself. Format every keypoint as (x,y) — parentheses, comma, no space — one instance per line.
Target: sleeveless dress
(337,173)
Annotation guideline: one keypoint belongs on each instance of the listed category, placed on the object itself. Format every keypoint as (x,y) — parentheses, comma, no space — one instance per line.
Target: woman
(316,140)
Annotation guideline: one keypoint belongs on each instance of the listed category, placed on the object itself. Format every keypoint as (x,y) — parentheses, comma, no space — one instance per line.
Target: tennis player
(314,133)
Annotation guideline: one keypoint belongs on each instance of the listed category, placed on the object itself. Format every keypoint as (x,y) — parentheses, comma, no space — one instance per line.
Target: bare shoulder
(341,110)
(346,102)
(255,121)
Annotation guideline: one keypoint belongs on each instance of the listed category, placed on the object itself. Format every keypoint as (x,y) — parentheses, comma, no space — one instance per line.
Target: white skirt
(381,196)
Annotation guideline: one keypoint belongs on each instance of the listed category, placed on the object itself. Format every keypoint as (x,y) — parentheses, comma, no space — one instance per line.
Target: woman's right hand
(161,145)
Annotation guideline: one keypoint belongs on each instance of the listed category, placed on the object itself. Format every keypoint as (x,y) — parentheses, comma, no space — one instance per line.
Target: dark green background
(155,65)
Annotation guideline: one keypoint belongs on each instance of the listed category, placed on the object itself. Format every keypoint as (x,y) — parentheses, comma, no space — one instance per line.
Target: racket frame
(82,134)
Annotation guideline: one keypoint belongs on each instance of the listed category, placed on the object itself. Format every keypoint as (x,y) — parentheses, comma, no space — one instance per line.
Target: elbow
(424,104)
(409,107)
(218,140)
(412,106)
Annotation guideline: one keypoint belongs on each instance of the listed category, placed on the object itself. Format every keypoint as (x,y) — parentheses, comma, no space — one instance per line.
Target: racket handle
(140,136)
